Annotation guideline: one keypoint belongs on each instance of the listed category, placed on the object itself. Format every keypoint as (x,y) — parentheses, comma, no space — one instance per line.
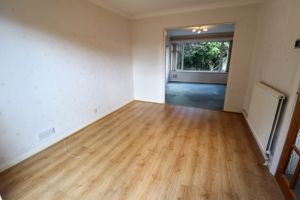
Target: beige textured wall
(148,51)
(63,64)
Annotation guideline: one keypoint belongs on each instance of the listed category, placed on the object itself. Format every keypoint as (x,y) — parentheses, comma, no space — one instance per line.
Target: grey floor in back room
(207,96)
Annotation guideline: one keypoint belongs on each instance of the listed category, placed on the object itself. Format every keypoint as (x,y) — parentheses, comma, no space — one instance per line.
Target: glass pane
(206,56)
(291,167)
(297,188)
(297,142)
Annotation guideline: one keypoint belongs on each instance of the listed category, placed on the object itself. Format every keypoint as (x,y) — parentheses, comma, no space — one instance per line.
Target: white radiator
(264,111)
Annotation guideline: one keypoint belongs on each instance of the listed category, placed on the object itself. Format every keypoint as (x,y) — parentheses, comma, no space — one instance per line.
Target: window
(210,56)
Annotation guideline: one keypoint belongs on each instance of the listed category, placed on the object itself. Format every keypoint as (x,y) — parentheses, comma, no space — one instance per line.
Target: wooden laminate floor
(148,151)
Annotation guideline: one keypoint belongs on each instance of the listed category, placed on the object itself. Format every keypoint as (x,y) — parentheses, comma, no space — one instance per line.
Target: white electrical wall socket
(47,133)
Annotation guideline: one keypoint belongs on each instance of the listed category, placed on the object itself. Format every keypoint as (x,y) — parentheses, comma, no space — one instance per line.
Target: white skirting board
(264,112)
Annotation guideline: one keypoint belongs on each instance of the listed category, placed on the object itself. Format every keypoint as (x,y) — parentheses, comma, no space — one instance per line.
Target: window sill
(194,71)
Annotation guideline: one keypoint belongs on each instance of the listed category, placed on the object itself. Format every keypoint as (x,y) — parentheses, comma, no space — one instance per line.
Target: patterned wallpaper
(63,64)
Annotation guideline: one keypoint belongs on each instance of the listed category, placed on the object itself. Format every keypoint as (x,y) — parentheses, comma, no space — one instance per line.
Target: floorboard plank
(148,151)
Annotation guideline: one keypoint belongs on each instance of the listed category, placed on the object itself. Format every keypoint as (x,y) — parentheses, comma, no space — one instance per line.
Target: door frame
(164,31)
(287,150)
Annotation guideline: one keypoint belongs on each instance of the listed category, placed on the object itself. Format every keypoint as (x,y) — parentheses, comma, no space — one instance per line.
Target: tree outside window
(203,56)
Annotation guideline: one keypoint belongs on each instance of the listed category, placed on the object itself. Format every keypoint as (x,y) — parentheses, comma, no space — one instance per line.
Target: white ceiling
(220,28)
(146,8)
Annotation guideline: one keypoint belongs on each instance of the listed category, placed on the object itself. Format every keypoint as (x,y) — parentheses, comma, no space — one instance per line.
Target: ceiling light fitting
(200,29)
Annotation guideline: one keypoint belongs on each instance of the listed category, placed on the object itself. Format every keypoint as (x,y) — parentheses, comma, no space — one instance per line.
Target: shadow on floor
(207,96)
